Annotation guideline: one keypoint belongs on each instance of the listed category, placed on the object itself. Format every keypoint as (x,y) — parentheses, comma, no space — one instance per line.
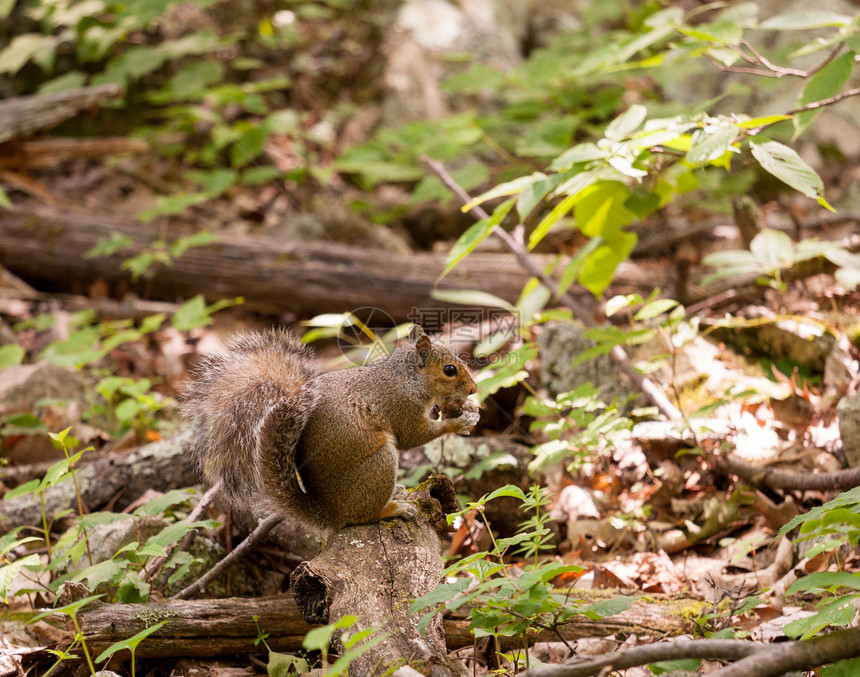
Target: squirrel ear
(422,349)
(417,330)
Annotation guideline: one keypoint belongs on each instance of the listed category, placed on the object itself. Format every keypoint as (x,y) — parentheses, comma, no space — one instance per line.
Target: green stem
(86,650)
(45,524)
(80,503)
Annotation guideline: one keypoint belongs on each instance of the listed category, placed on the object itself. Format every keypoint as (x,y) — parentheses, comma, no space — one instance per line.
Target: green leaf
(601,210)
(195,313)
(22,48)
(284,665)
(626,123)
(507,490)
(825,581)
(248,146)
(116,242)
(845,668)
(130,643)
(550,219)
(786,165)
(441,594)
(10,572)
(320,638)
(103,572)
(804,20)
(583,152)
(503,189)
(470,297)
(70,609)
(710,144)
(680,665)
(655,308)
(599,269)
(608,607)
(22,489)
(172,204)
(773,249)
(825,83)
(165,502)
(10,355)
(214,182)
(67,81)
(5,202)
(476,234)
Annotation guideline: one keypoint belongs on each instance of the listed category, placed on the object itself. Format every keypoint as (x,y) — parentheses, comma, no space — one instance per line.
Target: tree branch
(777,478)
(260,530)
(651,390)
(826,102)
(713,649)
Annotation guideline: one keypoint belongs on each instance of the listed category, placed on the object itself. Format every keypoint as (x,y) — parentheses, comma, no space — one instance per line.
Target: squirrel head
(445,374)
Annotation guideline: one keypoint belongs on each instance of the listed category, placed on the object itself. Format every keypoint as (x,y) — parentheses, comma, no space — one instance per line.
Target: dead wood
(213,627)
(777,478)
(196,628)
(712,649)
(373,571)
(46,247)
(42,153)
(115,477)
(22,116)
(484,465)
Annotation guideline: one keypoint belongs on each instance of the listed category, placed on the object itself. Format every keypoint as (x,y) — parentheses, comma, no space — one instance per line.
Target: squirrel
(282,435)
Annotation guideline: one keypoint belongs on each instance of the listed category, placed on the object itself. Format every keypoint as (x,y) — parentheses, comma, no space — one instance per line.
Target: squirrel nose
(472,388)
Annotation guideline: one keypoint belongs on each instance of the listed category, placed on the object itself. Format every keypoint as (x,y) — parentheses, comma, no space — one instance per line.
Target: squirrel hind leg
(398,509)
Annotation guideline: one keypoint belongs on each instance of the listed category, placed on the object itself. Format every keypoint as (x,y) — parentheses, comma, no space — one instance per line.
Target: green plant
(578,424)
(505,604)
(131,644)
(144,263)
(832,525)
(320,639)
(125,572)
(771,252)
(58,473)
(71,610)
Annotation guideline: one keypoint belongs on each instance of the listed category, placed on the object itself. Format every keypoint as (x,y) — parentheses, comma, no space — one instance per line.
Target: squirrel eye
(449,370)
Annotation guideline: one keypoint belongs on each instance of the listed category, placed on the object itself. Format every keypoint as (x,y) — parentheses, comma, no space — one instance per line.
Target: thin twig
(258,533)
(154,567)
(826,102)
(651,390)
(780,70)
(713,649)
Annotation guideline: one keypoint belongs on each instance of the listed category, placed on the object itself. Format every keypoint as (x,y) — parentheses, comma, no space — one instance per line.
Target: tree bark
(47,247)
(373,571)
(219,627)
(24,115)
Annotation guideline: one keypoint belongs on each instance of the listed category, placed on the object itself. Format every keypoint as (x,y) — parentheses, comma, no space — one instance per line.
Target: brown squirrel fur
(265,414)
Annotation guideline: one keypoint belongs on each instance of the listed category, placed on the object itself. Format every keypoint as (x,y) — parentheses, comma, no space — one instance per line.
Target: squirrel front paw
(461,415)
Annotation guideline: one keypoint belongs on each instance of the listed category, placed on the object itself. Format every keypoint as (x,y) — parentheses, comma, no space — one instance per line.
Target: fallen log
(46,247)
(220,627)
(22,116)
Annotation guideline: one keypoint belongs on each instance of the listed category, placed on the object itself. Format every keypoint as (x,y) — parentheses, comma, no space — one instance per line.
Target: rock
(21,388)
(802,343)
(559,345)
(422,45)
(849,427)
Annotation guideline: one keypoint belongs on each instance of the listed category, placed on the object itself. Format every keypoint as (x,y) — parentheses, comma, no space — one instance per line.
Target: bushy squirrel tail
(248,406)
